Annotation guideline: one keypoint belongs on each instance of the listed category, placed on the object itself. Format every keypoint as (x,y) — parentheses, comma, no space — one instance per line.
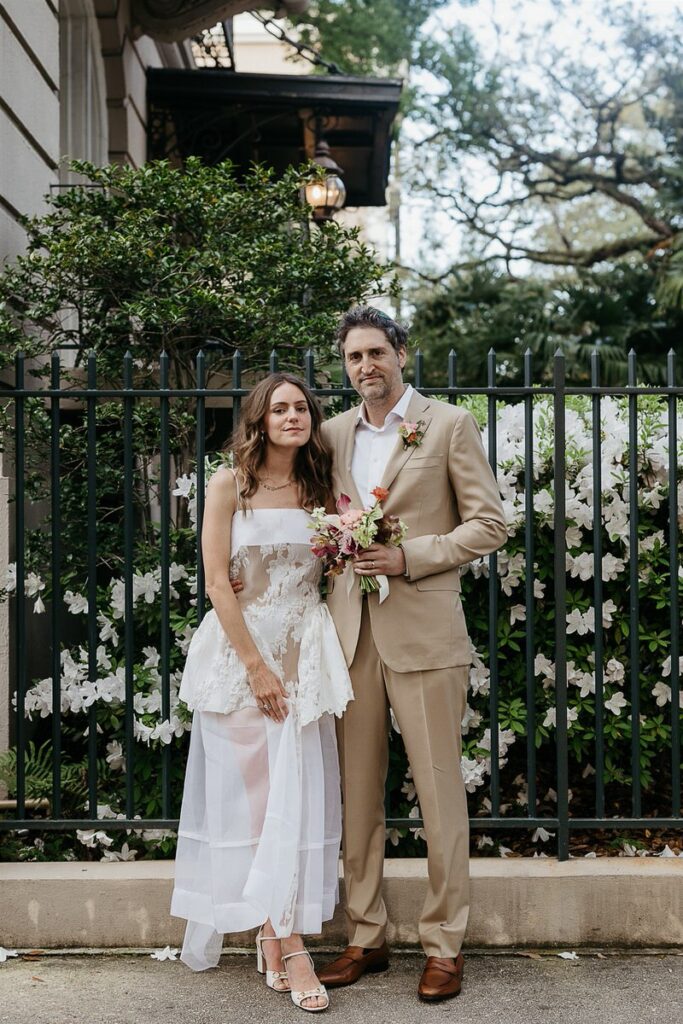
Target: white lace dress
(260,823)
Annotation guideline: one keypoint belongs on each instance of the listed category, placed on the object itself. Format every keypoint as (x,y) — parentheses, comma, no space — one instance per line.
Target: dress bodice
(260,527)
(270,553)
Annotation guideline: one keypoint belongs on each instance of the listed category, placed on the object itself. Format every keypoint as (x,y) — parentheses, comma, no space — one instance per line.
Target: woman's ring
(372,565)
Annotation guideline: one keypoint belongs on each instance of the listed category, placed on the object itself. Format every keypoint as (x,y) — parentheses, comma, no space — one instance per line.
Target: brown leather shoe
(353,964)
(441,978)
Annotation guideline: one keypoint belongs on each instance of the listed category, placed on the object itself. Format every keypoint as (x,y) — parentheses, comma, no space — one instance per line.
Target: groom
(410,653)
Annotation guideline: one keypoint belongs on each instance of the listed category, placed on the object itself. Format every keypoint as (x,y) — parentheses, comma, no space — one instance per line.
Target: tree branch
(584,257)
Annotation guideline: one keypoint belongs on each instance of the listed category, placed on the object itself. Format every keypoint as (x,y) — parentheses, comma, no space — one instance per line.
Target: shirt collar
(399,411)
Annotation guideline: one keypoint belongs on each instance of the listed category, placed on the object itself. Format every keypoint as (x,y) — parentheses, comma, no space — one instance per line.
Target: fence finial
(491,366)
(632,368)
(163,369)
(671,368)
(595,368)
(309,367)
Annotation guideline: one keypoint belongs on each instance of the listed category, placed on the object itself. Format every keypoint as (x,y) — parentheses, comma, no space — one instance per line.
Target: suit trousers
(429,707)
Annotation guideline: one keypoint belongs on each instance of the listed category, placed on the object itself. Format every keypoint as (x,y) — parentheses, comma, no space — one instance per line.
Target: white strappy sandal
(314,993)
(272,977)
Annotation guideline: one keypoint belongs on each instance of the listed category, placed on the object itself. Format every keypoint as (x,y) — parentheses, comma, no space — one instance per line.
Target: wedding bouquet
(339,538)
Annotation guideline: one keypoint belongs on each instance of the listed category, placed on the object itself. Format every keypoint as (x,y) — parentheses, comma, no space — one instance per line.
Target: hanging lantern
(327,193)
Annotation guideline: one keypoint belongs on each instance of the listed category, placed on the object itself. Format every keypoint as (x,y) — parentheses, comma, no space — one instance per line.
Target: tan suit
(411,654)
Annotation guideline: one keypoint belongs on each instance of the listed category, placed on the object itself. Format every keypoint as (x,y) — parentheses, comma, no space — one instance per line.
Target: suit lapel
(345,458)
(418,409)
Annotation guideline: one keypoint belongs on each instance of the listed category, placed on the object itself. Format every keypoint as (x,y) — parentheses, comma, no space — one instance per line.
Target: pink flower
(350,518)
(343,503)
(348,545)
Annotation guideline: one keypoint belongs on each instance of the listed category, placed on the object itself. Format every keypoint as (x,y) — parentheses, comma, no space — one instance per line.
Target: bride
(260,825)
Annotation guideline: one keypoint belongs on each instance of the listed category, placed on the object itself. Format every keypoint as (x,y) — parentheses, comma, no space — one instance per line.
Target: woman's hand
(269,692)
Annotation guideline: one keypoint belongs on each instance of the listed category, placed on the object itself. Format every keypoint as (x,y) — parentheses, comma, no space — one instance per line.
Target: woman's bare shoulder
(223,486)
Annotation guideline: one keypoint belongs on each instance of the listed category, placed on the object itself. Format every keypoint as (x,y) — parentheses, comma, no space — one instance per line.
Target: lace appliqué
(291,628)
(293,590)
(238,562)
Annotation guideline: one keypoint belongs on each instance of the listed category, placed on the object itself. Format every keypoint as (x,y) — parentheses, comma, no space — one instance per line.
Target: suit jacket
(447,494)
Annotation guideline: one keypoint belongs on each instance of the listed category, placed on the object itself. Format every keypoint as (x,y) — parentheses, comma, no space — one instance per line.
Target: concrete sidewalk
(502,987)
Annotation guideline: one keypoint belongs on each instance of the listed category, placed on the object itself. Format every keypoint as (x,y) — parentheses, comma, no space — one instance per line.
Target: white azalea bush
(104,696)
(654,624)
(85,699)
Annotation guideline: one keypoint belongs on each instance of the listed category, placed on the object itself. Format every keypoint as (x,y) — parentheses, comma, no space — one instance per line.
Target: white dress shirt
(373,446)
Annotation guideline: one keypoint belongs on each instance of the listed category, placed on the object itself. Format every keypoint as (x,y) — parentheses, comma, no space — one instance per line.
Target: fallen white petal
(569,956)
(5,953)
(164,954)
(667,852)
(542,834)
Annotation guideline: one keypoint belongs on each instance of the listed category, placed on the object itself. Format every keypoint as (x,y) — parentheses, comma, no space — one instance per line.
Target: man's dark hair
(368,316)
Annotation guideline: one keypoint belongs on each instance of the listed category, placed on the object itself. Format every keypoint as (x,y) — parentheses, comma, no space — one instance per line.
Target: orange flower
(381,493)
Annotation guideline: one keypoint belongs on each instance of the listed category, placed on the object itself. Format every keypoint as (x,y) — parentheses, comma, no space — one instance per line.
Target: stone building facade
(73,85)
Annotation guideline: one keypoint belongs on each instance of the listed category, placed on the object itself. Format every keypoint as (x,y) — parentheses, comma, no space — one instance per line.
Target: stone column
(5,689)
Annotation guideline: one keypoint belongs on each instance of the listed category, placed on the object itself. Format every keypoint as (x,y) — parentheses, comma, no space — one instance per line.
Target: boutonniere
(411,433)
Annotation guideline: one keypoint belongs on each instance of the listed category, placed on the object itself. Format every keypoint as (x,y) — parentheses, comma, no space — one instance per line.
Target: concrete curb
(602,902)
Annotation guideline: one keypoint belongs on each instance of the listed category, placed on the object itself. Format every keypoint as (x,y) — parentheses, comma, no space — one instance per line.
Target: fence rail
(16,399)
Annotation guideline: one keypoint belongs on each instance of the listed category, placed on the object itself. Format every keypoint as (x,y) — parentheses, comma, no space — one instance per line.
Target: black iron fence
(19,401)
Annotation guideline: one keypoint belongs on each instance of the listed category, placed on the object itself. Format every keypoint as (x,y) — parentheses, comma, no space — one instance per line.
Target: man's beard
(377,391)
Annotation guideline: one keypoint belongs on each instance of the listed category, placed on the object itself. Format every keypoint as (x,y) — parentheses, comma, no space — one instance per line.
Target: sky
(429,240)
(480,15)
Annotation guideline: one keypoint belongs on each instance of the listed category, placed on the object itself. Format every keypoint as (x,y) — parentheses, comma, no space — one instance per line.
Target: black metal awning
(271,119)
(175,20)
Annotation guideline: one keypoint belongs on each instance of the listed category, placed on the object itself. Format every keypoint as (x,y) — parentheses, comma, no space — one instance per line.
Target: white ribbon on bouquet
(382,580)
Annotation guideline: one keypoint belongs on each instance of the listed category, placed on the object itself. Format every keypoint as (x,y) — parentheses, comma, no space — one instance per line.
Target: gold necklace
(281,487)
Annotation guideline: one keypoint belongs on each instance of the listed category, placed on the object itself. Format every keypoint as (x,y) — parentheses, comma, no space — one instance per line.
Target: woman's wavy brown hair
(313,463)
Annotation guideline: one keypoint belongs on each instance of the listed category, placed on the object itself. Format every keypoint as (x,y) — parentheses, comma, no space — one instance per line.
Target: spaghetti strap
(237,486)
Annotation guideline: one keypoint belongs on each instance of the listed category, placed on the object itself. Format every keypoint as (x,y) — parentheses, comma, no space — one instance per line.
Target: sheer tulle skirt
(260,829)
